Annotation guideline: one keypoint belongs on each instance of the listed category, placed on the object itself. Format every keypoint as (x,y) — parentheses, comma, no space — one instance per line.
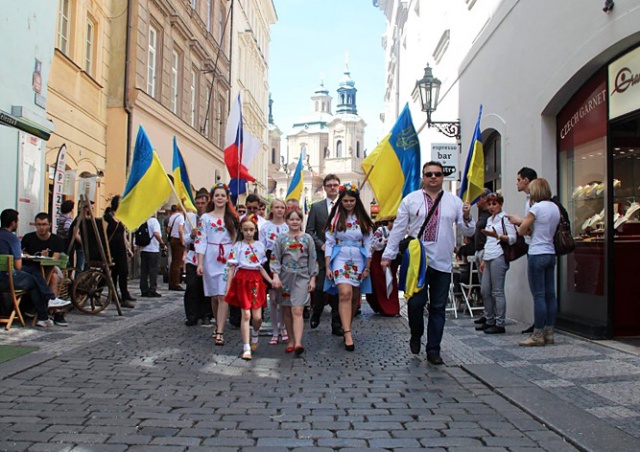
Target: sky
(311,39)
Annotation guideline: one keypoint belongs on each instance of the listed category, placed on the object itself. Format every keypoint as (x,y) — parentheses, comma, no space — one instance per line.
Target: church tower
(347,94)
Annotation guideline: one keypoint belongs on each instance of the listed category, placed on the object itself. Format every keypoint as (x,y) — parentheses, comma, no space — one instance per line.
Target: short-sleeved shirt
(9,244)
(154,246)
(32,244)
(547,217)
(176,220)
(64,224)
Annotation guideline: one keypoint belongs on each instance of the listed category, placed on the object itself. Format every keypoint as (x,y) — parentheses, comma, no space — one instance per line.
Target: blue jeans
(438,287)
(37,288)
(543,288)
(495,302)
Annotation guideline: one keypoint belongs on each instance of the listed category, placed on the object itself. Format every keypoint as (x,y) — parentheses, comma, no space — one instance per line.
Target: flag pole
(184,209)
(366,177)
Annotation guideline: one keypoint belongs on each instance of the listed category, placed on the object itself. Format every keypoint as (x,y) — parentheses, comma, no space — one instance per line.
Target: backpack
(141,236)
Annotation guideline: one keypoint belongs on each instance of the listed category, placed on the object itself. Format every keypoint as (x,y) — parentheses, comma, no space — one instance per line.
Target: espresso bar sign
(624,84)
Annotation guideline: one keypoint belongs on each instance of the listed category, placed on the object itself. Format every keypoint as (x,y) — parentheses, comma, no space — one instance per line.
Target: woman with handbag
(541,223)
(494,265)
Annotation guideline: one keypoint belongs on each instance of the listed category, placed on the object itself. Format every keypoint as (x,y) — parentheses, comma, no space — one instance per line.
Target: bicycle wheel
(91,292)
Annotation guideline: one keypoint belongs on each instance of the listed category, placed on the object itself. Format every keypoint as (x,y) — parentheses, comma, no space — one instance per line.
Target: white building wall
(529,60)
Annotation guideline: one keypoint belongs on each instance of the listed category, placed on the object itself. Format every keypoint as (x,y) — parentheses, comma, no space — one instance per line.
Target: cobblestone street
(147,382)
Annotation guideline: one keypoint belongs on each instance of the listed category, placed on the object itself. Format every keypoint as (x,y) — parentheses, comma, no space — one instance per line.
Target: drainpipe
(127,82)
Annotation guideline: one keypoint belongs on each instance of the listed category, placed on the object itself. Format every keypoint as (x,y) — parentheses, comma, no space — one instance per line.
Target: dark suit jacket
(316,222)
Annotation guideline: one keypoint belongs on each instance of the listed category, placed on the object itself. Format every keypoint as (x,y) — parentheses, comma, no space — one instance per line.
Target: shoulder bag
(515,251)
(563,240)
(404,243)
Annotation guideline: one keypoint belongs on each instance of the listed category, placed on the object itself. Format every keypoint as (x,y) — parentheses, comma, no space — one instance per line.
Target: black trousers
(120,271)
(196,305)
(149,265)
(320,300)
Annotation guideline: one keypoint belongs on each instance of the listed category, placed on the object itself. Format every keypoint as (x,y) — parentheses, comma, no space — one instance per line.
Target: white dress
(352,248)
(214,242)
(269,232)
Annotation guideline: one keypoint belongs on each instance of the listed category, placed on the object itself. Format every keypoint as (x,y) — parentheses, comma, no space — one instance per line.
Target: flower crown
(349,187)
(251,217)
(220,185)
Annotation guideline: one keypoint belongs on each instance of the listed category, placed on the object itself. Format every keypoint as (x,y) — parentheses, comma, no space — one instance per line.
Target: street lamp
(429,88)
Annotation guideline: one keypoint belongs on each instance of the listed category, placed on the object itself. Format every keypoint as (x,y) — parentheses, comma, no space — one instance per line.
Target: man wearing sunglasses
(439,241)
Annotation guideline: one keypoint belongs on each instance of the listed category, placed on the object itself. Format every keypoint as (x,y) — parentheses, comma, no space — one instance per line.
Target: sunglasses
(433,174)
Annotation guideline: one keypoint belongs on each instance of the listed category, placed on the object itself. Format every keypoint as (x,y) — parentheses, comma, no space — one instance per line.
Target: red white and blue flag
(239,146)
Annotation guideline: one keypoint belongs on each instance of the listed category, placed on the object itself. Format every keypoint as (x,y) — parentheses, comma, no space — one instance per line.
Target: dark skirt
(378,299)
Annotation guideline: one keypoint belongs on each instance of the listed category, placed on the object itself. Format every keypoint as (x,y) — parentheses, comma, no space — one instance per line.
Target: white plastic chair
(471,291)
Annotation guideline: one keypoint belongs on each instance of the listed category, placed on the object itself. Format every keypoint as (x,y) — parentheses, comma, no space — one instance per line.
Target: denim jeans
(495,302)
(37,288)
(438,285)
(543,288)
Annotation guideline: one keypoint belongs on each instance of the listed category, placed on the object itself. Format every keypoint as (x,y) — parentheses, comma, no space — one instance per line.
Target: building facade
(252,20)
(24,95)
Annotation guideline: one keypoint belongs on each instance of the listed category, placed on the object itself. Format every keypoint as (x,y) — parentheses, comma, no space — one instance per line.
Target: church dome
(321,89)
(346,79)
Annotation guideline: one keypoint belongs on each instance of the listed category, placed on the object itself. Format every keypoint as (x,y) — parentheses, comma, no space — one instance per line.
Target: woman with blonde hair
(541,223)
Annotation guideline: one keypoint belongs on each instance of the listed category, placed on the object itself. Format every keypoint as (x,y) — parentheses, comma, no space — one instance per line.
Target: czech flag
(181,178)
(393,167)
(237,154)
(148,185)
(472,185)
(297,181)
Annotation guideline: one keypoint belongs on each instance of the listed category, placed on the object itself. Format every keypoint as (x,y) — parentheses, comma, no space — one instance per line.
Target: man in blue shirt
(33,282)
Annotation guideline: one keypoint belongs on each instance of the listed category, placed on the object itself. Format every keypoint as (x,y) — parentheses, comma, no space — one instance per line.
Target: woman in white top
(494,267)
(541,223)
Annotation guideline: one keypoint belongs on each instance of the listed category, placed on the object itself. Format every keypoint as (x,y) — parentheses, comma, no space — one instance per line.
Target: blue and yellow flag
(148,185)
(413,270)
(393,167)
(181,180)
(472,185)
(297,182)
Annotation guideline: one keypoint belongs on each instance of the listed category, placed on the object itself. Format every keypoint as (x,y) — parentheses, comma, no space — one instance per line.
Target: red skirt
(248,290)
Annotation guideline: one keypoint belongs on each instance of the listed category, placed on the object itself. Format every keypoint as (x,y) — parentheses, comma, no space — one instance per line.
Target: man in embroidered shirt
(439,242)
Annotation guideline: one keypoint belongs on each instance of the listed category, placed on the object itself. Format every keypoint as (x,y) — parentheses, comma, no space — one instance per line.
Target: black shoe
(483,327)
(435,359)
(306,313)
(414,345)
(190,322)
(350,347)
(145,295)
(482,320)
(177,288)
(495,329)
(59,320)
(337,330)
(153,295)
(127,304)
(314,321)
(128,298)
(528,330)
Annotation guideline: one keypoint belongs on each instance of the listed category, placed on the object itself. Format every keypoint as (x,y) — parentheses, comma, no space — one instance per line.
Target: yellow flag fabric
(148,185)
(415,279)
(297,182)
(472,185)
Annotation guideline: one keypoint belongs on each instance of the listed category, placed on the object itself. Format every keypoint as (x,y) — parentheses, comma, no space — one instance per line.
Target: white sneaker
(58,303)
(44,323)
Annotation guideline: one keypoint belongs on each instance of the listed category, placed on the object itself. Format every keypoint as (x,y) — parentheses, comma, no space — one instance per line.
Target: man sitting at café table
(23,278)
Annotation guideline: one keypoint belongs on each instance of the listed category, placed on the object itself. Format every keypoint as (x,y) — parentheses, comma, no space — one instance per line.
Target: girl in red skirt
(245,284)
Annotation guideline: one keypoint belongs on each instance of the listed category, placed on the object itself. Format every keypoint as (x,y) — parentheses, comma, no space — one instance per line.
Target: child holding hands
(245,285)
(294,268)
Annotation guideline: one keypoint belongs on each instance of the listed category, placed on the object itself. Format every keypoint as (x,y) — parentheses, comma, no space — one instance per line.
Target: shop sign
(624,84)
(584,118)
(447,155)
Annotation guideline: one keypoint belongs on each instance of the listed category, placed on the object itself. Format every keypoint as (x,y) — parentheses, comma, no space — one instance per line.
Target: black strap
(433,208)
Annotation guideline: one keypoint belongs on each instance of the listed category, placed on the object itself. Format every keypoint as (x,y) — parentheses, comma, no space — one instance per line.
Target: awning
(18,120)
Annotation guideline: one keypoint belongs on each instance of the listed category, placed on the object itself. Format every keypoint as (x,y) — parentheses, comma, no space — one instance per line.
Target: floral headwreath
(251,217)
(220,185)
(349,187)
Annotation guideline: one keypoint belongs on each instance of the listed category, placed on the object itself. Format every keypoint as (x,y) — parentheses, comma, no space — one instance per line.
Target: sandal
(284,335)
(219,338)
(254,339)
(274,340)
(246,355)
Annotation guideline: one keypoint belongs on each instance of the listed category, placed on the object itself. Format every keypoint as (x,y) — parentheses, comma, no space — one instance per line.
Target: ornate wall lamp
(429,88)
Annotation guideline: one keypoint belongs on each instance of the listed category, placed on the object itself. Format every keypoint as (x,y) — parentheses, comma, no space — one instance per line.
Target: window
(194,4)
(151,64)
(64,16)
(339,149)
(357,149)
(209,15)
(221,25)
(89,48)
(175,81)
(273,155)
(193,98)
(493,161)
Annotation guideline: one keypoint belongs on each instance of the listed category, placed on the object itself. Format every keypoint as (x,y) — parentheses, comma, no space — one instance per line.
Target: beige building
(78,90)
(250,77)
(275,156)
(170,74)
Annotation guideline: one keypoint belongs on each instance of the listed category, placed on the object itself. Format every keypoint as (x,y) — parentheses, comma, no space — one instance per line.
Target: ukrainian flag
(413,270)
(181,180)
(297,181)
(393,167)
(148,186)
(472,185)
